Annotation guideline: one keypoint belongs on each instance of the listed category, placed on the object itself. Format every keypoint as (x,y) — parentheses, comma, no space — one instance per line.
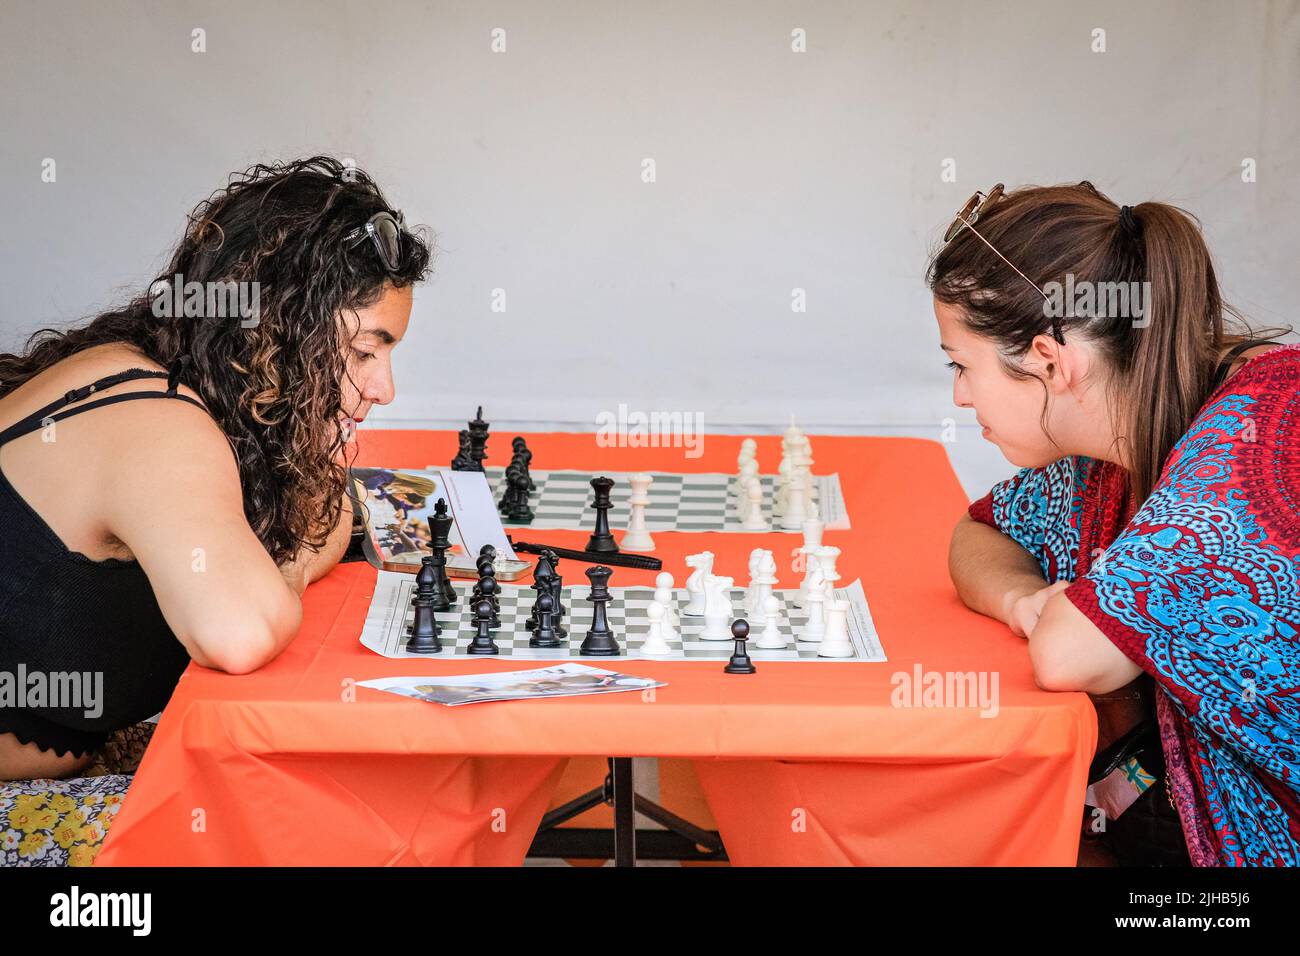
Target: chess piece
(755,559)
(544,635)
(740,662)
(754,519)
(748,470)
(425,629)
(524,457)
(463,460)
(655,642)
(717,608)
(542,574)
(557,595)
(664,598)
(812,540)
(815,627)
(761,587)
(518,510)
(600,640)
(748,454)
(664,582)
(601,539)
(440,531)
(702,565)
(487,591)
(482,642)
(796,505)
(771,637)
(637,538)
(836,641)
(826,557)
(478,437)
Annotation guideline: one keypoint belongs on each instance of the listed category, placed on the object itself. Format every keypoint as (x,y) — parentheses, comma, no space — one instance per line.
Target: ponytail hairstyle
(1161,364)
(274,388)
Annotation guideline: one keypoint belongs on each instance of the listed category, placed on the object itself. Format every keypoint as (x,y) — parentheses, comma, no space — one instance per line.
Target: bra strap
(38,418)
(1221,373)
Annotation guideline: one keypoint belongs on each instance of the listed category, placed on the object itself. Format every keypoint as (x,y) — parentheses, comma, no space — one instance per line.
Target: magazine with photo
(395,505)
(562,680)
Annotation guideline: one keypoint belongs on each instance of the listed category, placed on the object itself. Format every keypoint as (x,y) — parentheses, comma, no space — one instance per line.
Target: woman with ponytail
(1149,547)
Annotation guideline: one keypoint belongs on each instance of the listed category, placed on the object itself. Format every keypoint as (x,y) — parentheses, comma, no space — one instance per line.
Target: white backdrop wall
(775,171)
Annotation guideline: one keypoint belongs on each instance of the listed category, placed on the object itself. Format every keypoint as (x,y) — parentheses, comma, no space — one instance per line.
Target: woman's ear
(1048,355)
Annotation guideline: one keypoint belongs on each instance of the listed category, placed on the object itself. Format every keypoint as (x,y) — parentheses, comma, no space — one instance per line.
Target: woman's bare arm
(992,573)
(173,497)
(311,566)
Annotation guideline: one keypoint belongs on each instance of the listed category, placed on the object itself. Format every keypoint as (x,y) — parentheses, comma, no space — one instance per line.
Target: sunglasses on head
(385,231)
(967,218)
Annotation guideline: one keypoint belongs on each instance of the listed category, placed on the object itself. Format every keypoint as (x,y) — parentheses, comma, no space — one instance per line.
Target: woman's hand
(1024,606)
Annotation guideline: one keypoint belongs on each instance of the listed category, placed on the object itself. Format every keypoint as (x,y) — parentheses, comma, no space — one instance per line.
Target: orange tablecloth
(801,763)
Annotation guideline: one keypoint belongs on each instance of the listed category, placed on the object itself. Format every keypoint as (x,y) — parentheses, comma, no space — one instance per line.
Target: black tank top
(62,613)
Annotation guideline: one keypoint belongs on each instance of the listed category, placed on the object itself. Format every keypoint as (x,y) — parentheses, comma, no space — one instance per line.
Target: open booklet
(562,680)
(395,505)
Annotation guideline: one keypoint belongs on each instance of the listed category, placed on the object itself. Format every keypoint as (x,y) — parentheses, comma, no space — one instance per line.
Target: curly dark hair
(274,387)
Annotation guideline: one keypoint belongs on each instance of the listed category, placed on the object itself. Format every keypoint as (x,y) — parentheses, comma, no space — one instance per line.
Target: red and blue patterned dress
(1201,588)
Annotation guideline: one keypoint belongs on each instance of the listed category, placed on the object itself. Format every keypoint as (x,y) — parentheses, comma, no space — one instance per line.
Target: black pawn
(740,662)
(425,629)
(463,460)
(542,575)
(557,594)
(483,643)
(485,572)
(600,640)
(518,510)
(522,454)
(544,635)
(601,540)
(488,594)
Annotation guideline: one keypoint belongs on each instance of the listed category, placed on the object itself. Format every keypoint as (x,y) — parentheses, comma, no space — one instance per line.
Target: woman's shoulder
(1262,368)
(87,367)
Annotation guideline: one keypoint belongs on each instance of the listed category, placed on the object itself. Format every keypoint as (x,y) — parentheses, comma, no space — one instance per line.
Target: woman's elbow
(1054,670)
(243,647)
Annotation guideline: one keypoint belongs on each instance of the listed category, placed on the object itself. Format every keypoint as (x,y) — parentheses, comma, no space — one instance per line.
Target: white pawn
(796,506)
(741,485)
(755,560)
(718,609)
(836,641)
(771,637)
(637,538)
(664,584)
(654,642)
(815,628)
(812,540)
(760,587)
(702,564)
(754,519)
(748,455)
(782,496)
(663,600)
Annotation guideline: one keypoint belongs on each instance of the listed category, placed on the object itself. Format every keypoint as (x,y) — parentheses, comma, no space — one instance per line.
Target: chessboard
(701,501)
(388,624)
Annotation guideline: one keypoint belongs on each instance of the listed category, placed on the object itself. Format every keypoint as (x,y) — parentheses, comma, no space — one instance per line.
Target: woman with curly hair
(248,434)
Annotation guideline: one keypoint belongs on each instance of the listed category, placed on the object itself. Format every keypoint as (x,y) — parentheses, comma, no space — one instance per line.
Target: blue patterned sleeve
(1037,508)
(1202,590)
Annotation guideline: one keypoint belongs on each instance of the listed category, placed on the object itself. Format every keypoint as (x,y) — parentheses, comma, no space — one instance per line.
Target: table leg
(620,769)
